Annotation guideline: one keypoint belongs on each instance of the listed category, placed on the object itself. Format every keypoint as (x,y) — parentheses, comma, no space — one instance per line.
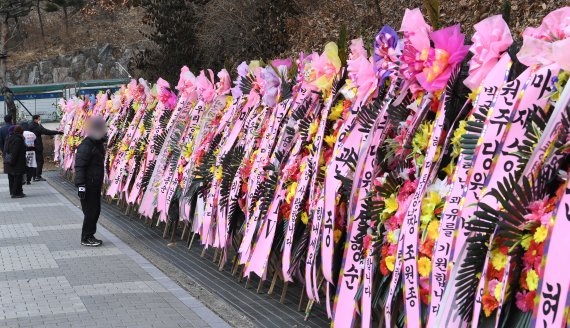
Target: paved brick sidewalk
(47,279)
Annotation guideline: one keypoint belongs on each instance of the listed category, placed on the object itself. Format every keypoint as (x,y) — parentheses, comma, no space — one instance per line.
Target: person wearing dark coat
(37,128)
(15,161)
(89,174)
(4,131)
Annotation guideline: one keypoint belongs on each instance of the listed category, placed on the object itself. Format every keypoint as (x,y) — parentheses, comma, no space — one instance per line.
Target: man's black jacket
(4,136)
(90,163)
(40,131)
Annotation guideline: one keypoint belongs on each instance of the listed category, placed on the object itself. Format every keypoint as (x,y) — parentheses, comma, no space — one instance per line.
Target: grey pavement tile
(48,280)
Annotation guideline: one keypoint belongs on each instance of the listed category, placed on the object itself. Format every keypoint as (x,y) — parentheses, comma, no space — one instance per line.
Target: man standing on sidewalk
(37,128)
(4,132)
(89,173)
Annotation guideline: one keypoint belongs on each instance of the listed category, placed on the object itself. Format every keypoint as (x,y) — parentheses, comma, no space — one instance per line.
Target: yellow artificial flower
(337,234)
(291,192)
(525,241)
(254,64)
(390,260)
(304,218)
(142,129)
(474,93)
(424,266)
(187,152)
(390,205)
(229,101)
(449,169)
(331,51)
(216,152)
(498,290)
(313,128)
(324,83)
(330,140)
(433,230)
(559,85)
(302,166)
(456,139)
(531,280)
(498,260)
(218,174)
(336,111)
(429,204)
(540,234)
(421,140)
(391,237)
(130,154)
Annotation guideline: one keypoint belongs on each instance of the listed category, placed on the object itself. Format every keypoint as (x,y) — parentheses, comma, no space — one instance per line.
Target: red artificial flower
(425,295)
(427,246)
(490,303)
(383,269)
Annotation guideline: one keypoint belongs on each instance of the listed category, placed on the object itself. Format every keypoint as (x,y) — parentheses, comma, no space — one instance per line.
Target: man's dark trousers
(40,162)
(91,207)
(15,184)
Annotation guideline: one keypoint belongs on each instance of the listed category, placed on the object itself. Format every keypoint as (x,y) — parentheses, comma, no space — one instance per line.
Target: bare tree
(68,7)
(40,18)
(9,9)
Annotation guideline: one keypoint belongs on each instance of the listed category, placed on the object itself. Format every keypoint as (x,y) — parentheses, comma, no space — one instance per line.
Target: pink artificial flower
(205,86)
(282,62)
(548,43)
(187,84)
(415,29)
(450,49)
(366,242)
(164,95)
(492,285)
(538,212)
(492,37)
(357,49)
(362,74)
(224,83)
(425,283)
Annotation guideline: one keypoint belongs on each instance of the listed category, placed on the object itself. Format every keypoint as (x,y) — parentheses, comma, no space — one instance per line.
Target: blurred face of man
(96,128)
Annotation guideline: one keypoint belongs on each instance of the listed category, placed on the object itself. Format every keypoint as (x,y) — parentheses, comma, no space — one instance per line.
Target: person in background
(15,161)
(6,158)
(37,128)
(4,131)
(31,165)
(89,173)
